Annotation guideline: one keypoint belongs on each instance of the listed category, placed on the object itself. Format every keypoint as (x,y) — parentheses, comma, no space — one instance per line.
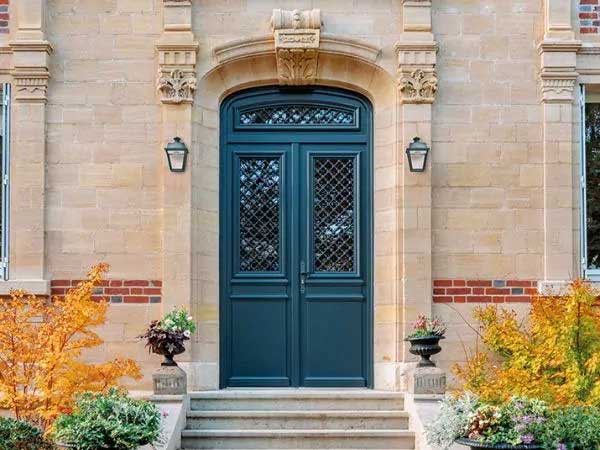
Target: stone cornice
(556,45)
(265,45)
(30,46)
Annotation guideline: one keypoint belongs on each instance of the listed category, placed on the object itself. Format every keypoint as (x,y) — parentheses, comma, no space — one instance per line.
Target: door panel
(296,239)
(334,293)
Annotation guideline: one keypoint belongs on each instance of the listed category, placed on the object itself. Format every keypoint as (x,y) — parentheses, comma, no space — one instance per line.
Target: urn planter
(425,347)
(475,445)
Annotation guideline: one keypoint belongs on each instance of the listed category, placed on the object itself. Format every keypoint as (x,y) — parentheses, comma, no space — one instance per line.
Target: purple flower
(520,427)
(561,447)
(527,419)
(527,438)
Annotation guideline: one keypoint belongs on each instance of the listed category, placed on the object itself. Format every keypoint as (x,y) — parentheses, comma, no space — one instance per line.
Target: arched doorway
(296,238)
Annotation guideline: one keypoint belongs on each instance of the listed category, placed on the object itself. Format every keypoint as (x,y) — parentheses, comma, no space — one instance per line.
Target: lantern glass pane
(176,159)
(418,159)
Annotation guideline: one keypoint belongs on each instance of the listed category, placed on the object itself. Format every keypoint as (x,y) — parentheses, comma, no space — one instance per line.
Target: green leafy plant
(425,327)
(109,421)
(573,428)
(19,435)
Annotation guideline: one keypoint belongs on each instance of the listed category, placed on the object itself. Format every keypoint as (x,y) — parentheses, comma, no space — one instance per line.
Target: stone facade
(100,86)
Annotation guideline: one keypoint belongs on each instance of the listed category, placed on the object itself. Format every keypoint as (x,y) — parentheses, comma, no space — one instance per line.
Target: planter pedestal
(426,380)
(169,380)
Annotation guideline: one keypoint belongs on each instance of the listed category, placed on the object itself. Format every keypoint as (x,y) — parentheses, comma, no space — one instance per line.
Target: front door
(296,239)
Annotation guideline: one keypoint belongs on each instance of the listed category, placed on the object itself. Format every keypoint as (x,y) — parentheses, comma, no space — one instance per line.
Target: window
(4,178)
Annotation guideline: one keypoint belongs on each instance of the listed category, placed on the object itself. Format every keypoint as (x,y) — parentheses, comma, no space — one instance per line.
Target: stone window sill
(37,287)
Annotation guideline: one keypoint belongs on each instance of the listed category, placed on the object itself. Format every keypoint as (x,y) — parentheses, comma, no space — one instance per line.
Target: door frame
(226,215)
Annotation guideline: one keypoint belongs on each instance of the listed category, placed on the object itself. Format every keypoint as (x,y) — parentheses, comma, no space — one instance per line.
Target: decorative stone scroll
(176,85)
(417,78)
(177,53)
(419,86)
(297,38)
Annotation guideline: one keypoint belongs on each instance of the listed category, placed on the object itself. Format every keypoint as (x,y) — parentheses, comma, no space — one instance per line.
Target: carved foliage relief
(418,86)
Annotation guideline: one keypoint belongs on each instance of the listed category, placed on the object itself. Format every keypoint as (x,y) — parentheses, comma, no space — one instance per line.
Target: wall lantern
(176,155)
(417,155)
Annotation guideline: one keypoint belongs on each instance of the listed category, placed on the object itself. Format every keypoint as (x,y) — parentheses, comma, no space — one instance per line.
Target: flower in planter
(425,327)
(520,421)
(167,336)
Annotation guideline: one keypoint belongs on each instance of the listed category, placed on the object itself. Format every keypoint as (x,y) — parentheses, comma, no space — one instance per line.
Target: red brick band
(117,291)
(4,17)
(589,16)
(483,291)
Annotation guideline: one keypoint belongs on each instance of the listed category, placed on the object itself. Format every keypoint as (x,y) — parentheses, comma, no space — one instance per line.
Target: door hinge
(5,179)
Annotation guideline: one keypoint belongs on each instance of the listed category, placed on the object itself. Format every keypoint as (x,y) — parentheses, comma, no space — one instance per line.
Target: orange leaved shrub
(552,355)
(41,341)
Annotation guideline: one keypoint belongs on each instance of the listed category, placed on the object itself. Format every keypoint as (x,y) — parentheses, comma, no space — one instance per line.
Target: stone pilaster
(176,83)
(31,55)
(417,86)
(558,76)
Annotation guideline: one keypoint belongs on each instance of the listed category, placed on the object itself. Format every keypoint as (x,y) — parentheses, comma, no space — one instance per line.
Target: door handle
(303,274)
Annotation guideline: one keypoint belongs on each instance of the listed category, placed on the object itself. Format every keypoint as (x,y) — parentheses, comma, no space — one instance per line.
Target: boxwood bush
(18,435)
(109,421)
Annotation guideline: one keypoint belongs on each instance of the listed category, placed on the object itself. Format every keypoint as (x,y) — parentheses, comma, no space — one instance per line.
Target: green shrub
(573,428)
(18,435)
(109,421)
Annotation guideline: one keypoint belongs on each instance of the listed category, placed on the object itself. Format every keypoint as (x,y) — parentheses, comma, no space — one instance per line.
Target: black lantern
(176,155)
(417,155)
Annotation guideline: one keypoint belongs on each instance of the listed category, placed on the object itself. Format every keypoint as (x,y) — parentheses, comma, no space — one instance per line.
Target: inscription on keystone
(297,38)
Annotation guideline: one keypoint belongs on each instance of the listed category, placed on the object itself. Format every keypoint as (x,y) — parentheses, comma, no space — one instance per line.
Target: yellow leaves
(41,341)
(554,355)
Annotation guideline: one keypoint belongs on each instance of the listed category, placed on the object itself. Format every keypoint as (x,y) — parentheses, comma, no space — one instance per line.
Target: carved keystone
(297,35)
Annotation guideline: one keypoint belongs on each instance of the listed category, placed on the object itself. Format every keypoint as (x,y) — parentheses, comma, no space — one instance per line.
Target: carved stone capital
(30,72)
(418,86)
(557,87)
(176,85)
(297,37)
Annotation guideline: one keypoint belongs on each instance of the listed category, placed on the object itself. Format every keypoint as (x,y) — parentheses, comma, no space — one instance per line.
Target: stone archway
(335,70)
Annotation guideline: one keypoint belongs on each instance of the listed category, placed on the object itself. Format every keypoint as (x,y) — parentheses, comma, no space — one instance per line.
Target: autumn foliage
(41,342)
(553,355)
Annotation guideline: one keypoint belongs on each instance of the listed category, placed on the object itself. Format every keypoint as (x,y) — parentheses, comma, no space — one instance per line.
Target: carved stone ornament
(176,86)
(297,38)
(418,86)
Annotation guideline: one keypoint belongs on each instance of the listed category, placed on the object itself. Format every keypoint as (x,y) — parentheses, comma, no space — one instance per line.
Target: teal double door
(296,239)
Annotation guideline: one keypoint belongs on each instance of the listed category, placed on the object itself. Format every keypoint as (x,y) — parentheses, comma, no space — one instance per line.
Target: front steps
(297,419)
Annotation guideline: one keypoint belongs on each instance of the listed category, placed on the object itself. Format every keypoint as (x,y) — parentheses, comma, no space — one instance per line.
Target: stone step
(297,439)
(316,419)
(296,399)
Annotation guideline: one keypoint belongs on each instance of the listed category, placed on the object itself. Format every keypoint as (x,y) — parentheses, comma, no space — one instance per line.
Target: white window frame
(5,180)
(591,274)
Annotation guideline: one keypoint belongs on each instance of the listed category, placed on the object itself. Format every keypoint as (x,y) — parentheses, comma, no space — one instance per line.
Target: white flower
(186,333)
(189,318)
(168,322)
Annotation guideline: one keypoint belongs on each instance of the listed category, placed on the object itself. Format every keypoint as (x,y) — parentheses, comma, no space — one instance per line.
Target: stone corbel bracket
(297,38)
(417,78)
(558,70)
(30,72)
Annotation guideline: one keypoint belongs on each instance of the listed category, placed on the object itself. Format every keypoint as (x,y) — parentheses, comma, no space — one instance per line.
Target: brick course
(589,16)
(4,17)
(117,291)
(483,291)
